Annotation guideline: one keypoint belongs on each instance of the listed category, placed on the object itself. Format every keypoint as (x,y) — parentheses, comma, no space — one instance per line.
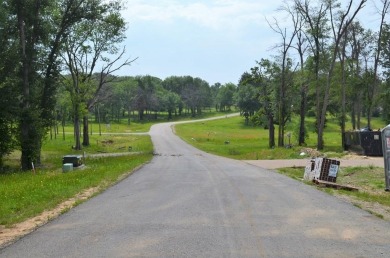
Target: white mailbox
(386,154)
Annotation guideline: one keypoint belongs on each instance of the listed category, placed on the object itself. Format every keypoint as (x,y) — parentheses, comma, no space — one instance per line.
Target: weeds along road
(187,203)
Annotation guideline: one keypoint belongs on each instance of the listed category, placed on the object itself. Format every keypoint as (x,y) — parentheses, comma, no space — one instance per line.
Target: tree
(339,22)
(385,62)
(31,22)
(287,40)
(90,41)
(301,78)
(371,92)
(225,96)
(8,92)
(264,76)
(360,47)
(169,101)
(247,99)
(315,18)
(36,31)
(338,33)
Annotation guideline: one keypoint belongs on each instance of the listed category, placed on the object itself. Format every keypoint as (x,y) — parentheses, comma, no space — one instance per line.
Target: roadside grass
(233,139)
(25,194)
(369,180)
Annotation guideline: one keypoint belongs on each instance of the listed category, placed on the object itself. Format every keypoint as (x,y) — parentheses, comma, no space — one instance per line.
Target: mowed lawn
(230,137)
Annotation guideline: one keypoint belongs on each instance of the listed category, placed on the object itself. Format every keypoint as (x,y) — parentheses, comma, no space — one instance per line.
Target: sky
(215,40)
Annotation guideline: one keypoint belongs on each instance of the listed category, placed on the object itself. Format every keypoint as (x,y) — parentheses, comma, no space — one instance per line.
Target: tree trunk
(77,129)
(141,115)
(129,116)
(302,113)
(63,127)
(343,93)
(353,117)
(26,145)
(99,121)
(359,116)
(271,126)
(85,131)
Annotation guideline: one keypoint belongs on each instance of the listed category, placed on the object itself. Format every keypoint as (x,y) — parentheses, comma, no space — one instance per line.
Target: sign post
(386,154)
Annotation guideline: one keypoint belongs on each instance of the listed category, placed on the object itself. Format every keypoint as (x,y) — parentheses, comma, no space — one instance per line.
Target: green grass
(137,126)
(233,139)
(24,194)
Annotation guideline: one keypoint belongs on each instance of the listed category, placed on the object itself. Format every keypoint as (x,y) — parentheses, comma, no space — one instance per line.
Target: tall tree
(31,23)
(338,32)
(383,10)
(8,80)
(39,27)
(316,19)
(301,78)
(225,96)
(284,47)
(91,41)
(266,77)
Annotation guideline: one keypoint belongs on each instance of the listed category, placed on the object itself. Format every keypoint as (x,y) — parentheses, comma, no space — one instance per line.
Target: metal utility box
(364,142)
(371,143)
(67,167)
(76,160)
(386,154)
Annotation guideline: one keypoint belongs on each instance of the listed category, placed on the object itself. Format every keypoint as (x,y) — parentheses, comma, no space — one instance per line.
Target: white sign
(333,169)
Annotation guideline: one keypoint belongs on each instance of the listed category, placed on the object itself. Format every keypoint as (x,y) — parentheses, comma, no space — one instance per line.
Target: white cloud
(215,14)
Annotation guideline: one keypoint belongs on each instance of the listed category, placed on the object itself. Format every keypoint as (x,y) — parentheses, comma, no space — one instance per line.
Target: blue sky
(215,40)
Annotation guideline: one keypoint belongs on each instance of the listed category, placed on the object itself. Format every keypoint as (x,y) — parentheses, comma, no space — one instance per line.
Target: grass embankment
(24,195)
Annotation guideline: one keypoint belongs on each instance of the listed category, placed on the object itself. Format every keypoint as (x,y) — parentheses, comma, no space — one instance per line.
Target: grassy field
(233,139)
(23,195)
(137,126)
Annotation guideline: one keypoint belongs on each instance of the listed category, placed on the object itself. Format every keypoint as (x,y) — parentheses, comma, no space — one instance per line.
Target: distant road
(187,203)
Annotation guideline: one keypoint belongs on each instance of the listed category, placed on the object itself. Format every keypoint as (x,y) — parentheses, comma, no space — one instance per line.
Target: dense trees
(337,70)
(33,38)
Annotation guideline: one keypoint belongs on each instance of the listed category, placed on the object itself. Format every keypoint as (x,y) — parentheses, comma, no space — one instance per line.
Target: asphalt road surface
(187,203)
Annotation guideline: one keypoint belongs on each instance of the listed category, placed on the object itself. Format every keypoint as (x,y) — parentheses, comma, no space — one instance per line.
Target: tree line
(40,41)
(326,62)
(59,59)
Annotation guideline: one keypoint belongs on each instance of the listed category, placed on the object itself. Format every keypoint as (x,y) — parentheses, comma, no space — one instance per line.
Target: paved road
(187,203)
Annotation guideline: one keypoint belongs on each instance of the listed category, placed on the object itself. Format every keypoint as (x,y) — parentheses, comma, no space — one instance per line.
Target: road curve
(187,203)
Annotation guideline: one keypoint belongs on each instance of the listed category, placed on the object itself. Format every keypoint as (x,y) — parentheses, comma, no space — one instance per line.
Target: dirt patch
(9,235)
(311,152)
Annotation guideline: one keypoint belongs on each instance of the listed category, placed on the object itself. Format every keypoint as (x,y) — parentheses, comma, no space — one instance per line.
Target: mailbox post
(386,154)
